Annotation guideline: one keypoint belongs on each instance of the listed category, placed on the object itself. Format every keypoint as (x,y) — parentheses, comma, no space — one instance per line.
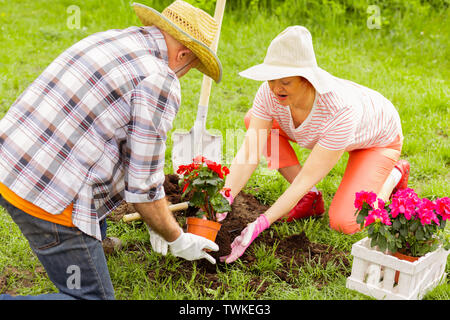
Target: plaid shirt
(91,129)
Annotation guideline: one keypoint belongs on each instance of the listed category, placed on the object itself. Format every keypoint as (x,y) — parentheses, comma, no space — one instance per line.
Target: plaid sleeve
(154,104)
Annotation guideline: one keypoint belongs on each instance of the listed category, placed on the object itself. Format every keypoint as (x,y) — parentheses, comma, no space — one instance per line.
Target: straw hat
(290,54)
(191,26)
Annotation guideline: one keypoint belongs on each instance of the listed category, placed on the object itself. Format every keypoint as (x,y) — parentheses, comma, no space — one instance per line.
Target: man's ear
(183,55)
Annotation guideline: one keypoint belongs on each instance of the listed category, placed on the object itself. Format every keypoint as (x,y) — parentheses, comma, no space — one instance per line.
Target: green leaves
(360,217)
(420,234)
(220,204)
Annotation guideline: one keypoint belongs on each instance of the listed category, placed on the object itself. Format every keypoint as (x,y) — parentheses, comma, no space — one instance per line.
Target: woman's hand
(243,241)
(226,193)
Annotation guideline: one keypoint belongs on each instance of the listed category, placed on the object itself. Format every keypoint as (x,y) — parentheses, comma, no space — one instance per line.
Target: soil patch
(12,278)
(293,252)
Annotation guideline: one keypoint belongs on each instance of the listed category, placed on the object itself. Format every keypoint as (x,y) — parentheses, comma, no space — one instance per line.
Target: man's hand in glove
(159,244)
(192,247)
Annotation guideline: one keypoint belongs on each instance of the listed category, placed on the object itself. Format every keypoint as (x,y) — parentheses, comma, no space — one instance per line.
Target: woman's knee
(347,227)
(343,220)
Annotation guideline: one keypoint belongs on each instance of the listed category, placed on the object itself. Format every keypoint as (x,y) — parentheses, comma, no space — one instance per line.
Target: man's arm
(158,216)
(185,245)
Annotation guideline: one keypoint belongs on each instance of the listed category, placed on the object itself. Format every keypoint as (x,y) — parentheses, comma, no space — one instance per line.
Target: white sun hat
(290,54)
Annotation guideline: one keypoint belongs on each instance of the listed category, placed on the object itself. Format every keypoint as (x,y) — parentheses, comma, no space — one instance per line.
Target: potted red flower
(205,179)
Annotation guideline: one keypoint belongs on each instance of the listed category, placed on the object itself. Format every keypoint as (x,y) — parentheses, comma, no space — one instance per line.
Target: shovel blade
(188,145)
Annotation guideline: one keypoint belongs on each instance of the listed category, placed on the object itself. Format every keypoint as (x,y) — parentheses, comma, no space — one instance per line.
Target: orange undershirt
(64,218)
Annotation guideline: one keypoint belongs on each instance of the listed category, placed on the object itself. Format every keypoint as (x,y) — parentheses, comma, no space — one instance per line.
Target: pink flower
(425,212)
(199,159)
(378,215)
(364,197)
(380,203)
(442,206)
(404,202)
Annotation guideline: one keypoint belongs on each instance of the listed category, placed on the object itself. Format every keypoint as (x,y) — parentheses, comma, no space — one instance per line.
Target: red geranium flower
(205,179)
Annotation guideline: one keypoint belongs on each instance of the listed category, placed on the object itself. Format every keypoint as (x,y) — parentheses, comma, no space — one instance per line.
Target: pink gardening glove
(221,216)
(243,241)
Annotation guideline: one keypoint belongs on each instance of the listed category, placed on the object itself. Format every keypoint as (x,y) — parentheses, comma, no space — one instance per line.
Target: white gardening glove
(158,243)
(191,247)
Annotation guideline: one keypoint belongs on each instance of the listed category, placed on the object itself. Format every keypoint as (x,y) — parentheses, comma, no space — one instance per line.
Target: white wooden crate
(373,273)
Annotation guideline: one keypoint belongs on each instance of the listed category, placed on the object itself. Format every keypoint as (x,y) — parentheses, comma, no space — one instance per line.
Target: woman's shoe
(311,205)
(404,167)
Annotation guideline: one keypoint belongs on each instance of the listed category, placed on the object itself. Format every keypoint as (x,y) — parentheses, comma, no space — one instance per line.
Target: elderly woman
(300,102)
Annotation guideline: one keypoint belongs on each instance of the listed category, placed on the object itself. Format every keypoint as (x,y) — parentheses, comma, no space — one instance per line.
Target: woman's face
(288,90)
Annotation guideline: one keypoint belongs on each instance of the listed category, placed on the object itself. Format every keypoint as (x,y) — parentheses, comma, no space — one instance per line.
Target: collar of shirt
(157,36)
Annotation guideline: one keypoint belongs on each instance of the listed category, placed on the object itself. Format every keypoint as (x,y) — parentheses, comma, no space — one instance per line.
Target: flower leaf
(420,234)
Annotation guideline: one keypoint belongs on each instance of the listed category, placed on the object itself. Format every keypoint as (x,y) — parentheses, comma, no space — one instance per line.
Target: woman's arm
(249,154)
(318,164)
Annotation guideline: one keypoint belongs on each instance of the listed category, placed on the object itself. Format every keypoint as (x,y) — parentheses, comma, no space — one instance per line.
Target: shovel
(173,207)
(196,142)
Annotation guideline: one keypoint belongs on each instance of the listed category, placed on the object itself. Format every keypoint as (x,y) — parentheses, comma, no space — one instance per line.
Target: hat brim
(319,78)
(209,62)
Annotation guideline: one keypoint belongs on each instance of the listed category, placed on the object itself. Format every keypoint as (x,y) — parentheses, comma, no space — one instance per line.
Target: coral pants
(367,169)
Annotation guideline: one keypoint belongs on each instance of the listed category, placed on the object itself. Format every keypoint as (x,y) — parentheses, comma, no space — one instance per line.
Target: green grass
(407,60)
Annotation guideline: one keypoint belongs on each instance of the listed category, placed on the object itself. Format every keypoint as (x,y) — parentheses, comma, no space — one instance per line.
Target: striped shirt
(91,129)
(349,117)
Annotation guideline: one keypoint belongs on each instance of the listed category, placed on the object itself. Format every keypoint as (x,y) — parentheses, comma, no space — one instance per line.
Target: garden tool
(173,207)
(198,142)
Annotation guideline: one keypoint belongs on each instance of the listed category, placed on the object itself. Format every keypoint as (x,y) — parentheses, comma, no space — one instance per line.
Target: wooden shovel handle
(207,81)
(173,207)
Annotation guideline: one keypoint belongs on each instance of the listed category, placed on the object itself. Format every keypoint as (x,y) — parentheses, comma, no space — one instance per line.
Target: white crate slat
(373,273)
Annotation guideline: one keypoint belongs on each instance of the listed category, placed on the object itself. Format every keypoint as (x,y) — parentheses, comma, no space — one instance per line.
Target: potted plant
(204,180)
(406,250)
(407,226)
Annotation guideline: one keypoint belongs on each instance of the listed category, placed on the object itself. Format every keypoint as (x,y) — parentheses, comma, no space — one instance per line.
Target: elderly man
(91,131)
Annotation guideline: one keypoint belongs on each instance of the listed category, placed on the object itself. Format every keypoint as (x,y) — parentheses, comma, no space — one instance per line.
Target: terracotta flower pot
(402,256)
(201,227)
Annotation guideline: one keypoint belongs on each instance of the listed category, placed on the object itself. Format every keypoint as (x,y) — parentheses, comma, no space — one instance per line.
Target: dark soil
(294,251)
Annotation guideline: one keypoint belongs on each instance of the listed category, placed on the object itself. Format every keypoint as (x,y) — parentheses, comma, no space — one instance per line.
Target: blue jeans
(74,261)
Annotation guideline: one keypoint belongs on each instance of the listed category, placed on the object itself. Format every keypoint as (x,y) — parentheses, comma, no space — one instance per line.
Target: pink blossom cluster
(364,196)
(425,212)
(404,202)
(442,206)
(378,215)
